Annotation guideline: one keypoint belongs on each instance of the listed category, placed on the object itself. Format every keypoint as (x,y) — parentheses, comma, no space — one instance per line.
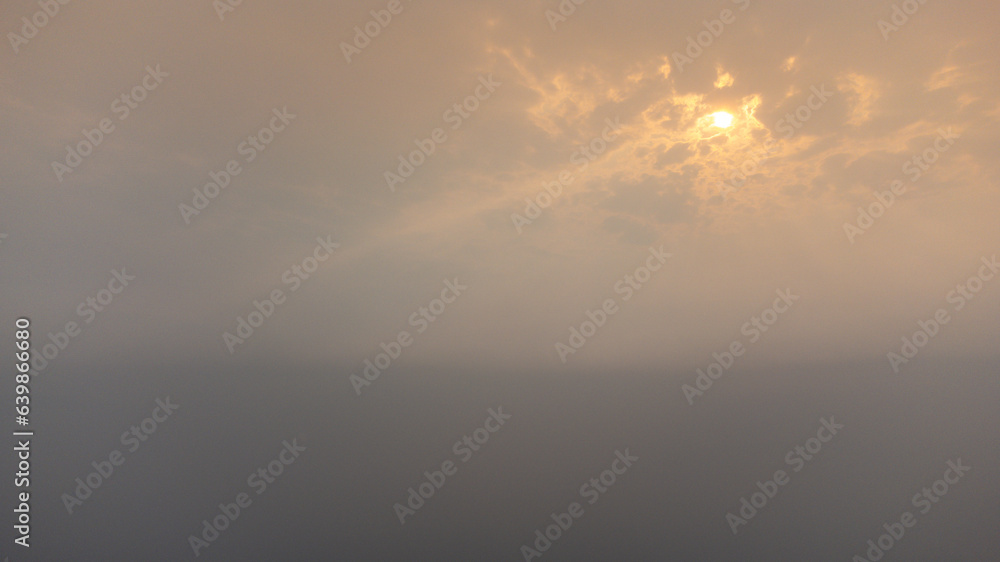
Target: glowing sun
(722,119)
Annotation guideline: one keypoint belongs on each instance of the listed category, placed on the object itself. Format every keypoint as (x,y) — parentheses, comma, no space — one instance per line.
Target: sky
(689,230)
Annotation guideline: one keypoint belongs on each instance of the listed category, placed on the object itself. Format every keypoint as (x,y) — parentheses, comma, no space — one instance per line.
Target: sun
(722,119)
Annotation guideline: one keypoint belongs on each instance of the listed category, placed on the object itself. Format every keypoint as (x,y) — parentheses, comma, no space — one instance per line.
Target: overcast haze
(573,213)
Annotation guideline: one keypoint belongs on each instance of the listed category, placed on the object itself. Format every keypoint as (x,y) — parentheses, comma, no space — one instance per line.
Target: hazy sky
(797,183)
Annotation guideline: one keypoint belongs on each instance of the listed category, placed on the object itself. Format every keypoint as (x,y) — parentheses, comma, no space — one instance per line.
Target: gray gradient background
(494,346)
